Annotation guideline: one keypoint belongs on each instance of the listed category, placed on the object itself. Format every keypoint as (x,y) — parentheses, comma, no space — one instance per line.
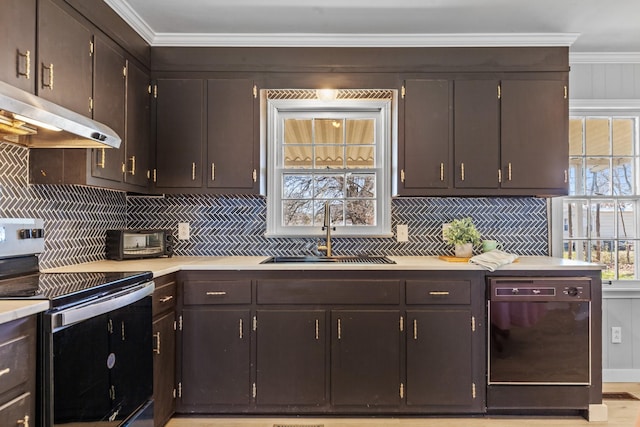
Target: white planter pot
(464,250)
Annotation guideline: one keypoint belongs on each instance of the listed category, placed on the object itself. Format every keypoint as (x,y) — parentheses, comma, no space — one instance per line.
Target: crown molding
(131,17)
(365,40)
(604,57)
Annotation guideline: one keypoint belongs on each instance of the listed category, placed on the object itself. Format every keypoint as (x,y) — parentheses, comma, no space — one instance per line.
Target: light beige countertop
(17,309)
(162,266)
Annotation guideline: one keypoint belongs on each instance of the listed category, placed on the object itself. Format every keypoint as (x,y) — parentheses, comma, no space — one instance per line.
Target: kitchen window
(334,151)
(601,215)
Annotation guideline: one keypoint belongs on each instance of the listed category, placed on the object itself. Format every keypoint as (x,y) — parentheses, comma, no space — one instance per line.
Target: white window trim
(383,108)
(592,107)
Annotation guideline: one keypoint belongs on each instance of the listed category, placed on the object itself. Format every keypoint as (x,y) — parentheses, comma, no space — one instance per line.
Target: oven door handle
(102,306)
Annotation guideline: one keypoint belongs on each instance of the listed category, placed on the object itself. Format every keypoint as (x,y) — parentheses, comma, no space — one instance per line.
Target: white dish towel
(493,259)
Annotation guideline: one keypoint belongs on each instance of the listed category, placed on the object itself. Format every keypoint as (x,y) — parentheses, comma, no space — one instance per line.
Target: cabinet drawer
(15,357)
(164,297)
(438,292)
(217,292)
(328,291)
(16,410)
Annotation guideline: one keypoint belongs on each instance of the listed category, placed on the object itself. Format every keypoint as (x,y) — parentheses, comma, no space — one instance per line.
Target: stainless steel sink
(355,259)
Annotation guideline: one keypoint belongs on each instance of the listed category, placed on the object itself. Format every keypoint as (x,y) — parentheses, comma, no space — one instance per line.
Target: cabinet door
(18,43)
(179,133)
(291,357)
(477,134)
(164,368)
(231,136)
(138,126)
(365,357)
(216,357)
(109,108)
(535,142)
(64,59)
(427,135)
(439,360)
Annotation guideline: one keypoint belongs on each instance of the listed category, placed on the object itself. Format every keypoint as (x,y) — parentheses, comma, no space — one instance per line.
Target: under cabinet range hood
(34,122)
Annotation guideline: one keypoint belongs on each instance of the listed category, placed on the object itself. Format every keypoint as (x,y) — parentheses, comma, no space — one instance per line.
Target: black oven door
(539,342)
(100,369)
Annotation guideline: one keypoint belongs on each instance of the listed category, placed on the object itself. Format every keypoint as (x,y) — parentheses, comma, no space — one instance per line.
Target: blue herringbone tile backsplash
(77,217)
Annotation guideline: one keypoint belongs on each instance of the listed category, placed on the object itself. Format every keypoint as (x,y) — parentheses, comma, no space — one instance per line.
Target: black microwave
(136,244)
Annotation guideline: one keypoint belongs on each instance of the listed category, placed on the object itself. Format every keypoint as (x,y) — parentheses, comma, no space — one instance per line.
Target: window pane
(597,177)
(360,157)
(576,176)
(602,219)
(623,176)
(330,156)
(361,185)
(627,220)
(575,137)
(360,131)
(623,137)
(597,137)
(297,187)
(575,219)
(297,131)
(329,131)
(576,249)
(329,187)
(602,251)
(361,212)
(297,157)
(297,212)
(626,259)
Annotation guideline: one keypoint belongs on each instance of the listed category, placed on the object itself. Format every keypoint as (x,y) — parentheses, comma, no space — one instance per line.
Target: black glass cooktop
(63,289)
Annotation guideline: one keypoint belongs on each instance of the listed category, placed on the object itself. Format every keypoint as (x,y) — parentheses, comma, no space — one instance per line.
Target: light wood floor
(622,413)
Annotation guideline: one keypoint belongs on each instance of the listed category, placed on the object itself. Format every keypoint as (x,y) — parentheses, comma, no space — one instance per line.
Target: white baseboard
(621,375)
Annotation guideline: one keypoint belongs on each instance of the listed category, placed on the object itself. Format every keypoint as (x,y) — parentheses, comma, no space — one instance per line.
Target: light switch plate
(616,335)
(183,231)
(444,227)
(402,233)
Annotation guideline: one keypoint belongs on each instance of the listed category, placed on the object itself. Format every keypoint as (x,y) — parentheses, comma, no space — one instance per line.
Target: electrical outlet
(616,335)
(444,227)
(402,233)
(183,231)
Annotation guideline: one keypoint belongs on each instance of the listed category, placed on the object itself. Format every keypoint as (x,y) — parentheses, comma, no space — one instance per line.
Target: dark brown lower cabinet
(216,358)
(164,368)
(290,360)
(365,357)
(439,358)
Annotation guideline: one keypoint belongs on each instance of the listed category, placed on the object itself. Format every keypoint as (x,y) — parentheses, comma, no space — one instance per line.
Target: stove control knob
(515,291)
(572,291)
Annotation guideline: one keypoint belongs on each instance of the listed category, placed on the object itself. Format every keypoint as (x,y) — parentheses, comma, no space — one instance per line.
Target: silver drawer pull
(216,293)
(5,371)
(439,293)
(157,349)
(24,422)
(167,298)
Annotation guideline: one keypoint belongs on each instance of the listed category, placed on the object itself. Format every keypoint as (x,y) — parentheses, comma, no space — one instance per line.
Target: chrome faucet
(327,227)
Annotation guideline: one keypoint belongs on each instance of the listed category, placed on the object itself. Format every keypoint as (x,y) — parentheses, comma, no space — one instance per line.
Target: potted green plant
(463,234)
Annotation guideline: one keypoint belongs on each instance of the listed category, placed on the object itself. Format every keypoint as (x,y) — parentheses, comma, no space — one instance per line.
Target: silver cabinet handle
(339,329)
(509,172)
(5,371)
(50,84)
(317,329)
(415,329)
(27,64)
(216,293)
(133,165)
(167,298)
(213,171)
(193,171)
(441,171)
(24,421)
(240,325)
(439,293)
(462,171)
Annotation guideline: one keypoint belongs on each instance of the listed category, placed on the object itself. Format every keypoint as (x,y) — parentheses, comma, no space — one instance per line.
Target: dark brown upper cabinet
(18,44)
(425,153)
(138,129)
(534,135)
(109,102)
(232,149)
(213,120)
(471,137)
(65,63)
(180,132)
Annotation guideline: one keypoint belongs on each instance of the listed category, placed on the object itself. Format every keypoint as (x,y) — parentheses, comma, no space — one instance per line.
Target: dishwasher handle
(101,306)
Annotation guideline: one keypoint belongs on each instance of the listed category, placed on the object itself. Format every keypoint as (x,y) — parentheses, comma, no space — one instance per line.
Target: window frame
(611,109)
(382,110)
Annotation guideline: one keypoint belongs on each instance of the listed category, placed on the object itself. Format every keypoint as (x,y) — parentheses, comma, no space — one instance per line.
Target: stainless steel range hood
(34,122)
